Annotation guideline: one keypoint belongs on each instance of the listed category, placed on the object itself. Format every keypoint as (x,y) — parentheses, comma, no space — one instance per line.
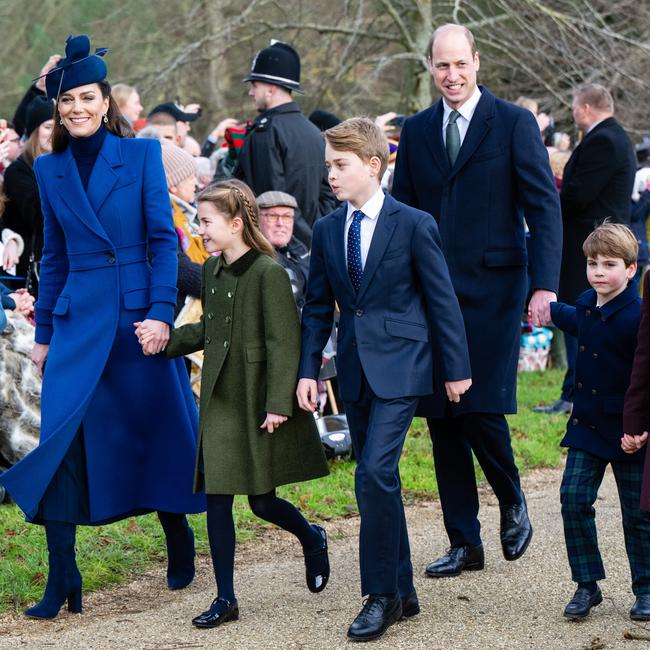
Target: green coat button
(207,340)
(225,344)
(230,294)
(210,315)
(228,319)
(213,291)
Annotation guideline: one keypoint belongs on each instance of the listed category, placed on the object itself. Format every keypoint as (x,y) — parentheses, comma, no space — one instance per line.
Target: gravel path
(508,605)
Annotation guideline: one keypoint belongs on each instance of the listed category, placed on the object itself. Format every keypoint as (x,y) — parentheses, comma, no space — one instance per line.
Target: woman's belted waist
(107,257)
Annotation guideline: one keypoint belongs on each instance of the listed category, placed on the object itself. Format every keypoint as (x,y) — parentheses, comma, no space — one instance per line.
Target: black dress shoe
(317,564)
(377,615)
(641,609)
(516,531)
(558,406)
(457,559)
(410,605)
(582,602)
(221,611)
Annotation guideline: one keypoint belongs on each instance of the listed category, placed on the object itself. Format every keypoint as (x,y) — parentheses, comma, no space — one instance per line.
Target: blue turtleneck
(85,151)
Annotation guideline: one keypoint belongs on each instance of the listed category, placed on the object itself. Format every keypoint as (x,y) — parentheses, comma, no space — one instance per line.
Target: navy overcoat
(110,259)
(606,343)
(502,174)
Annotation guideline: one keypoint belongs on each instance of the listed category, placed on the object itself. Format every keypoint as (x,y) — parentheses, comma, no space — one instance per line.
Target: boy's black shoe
(457,559)
(410,605)
(221,611)
(377,615)
(641,609)
(317,564)
(582,602)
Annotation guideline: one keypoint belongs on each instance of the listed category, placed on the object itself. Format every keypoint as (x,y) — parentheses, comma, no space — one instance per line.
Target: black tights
(221,531)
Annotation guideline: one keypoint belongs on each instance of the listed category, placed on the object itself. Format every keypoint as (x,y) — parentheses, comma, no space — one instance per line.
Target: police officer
(283,150)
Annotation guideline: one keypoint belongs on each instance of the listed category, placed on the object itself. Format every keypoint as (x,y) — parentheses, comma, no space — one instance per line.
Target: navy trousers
(454,439)
(582,477)
(378,428)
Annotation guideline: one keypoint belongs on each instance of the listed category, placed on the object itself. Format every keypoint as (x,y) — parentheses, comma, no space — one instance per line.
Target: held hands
(630,443)
(307,394)
(539,308)
(153,335)
(457,388)
(24,302)
(273,421)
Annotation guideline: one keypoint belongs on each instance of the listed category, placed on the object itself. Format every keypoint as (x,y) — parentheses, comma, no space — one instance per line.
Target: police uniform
(282,149)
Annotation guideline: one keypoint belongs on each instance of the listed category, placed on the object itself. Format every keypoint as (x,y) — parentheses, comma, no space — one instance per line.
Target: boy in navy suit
(605,321)
(381,262)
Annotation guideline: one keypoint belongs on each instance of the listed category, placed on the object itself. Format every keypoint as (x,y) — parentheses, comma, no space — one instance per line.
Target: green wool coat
(250,334)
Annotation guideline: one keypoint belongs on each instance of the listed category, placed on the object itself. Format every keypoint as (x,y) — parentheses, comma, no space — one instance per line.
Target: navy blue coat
(501,174)
(110,259)
(606,343)
(405,302)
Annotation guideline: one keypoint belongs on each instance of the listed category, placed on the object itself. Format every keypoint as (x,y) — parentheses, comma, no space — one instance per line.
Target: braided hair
(232,198)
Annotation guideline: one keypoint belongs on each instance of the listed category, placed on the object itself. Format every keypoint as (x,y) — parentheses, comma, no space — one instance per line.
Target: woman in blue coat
(118,429)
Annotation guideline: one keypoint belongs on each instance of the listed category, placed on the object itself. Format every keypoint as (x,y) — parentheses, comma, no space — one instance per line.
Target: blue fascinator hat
(78,68)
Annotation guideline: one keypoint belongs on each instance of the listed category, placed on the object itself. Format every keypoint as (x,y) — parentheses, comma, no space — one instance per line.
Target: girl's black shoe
(317,564)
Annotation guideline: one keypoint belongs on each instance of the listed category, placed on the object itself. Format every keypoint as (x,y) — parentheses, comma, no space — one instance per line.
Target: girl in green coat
(252,435)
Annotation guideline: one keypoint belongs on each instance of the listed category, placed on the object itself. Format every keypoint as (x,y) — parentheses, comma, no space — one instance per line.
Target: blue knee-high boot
(180,549)
(64,579)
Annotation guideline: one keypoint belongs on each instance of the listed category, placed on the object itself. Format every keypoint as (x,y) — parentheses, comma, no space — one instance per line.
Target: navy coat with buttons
(606,343)
(501,174)
(110,259)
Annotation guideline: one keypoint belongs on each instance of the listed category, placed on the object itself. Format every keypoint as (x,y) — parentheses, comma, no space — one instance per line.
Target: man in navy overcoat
(478,165)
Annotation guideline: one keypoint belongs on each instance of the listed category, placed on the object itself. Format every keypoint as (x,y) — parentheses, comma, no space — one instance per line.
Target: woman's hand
(153,335)
(273,421)
(10,255)
(39,355)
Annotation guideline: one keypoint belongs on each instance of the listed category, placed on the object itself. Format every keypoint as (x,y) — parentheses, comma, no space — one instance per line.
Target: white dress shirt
(371,209)
(466,113)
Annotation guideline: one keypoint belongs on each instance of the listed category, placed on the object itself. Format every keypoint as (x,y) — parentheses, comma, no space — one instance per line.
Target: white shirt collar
(594,125)
(466,110)
(371,208)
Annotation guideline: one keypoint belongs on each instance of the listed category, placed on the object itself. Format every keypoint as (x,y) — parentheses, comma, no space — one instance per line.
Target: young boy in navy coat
(381,262)
(605,320)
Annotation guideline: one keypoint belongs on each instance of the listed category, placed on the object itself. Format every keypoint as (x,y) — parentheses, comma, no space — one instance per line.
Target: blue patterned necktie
(355,267)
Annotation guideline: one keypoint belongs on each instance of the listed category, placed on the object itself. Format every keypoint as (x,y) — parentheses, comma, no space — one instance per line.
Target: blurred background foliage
(358,56)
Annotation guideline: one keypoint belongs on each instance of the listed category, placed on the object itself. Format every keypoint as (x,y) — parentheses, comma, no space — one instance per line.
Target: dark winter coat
(606,341)
(250,335)
(502,174)
(597,183)
(284,151)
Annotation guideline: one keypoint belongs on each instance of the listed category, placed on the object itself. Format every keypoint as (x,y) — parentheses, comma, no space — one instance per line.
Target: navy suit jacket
(502,174)
(404,309)
(606,343)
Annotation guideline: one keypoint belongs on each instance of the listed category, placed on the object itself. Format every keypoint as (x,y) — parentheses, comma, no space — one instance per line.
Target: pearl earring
(105,118)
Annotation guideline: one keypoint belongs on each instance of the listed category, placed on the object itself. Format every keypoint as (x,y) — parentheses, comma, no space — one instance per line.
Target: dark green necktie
(453,137)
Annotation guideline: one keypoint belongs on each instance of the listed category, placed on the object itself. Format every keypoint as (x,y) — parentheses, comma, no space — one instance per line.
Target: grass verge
(111,554)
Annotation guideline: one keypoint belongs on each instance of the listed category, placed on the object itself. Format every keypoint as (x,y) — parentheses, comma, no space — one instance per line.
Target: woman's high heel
(64,580)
